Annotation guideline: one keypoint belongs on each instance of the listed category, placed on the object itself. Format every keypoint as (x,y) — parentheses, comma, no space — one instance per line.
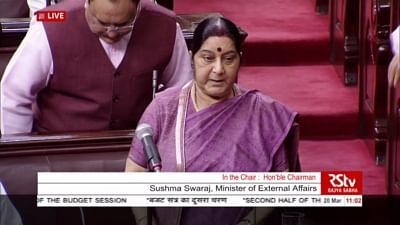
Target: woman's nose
(218,67)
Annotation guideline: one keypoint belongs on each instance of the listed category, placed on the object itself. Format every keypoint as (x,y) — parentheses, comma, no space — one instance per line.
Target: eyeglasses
(112,28)
(98,27)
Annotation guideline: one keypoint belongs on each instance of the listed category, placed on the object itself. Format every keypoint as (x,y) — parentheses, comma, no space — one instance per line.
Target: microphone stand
(154,83)
(155,169)
(149,211)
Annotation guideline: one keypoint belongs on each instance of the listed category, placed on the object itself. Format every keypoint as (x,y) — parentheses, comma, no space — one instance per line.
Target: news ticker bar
(327,189)
(199,201)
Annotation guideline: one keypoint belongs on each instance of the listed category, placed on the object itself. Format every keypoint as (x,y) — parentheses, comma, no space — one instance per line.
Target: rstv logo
(341,182)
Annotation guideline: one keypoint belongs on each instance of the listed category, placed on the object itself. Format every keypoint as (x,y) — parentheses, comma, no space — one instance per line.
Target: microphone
(154,83)
(145,134)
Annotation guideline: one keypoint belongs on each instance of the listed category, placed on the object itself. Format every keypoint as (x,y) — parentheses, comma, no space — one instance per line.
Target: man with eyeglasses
(93,71)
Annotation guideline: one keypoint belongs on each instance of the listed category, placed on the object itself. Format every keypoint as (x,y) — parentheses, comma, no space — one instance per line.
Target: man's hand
(394,71)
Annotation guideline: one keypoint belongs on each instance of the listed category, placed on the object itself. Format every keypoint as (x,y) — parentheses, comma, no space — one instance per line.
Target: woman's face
(216,66)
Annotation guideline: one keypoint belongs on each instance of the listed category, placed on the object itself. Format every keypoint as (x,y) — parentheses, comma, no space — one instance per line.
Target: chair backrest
(394,14)
(169,4)
(292,148)
(393,147)
(14,9)
(374,59)
(343,28)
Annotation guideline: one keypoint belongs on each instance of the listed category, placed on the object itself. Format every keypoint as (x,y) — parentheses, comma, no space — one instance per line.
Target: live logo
(51,16)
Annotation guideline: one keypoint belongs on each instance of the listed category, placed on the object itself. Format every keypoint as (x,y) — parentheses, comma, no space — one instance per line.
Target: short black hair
(215,26)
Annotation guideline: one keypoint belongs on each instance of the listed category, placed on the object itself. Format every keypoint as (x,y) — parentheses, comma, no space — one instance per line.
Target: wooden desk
(12,32)
(23,155)
(76,142)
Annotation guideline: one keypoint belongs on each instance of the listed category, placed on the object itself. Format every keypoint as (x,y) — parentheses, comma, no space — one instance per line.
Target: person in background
(94,70)
(213,125)
(35,5)
(394,66)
